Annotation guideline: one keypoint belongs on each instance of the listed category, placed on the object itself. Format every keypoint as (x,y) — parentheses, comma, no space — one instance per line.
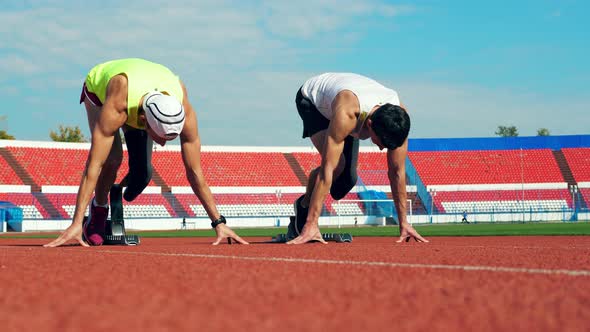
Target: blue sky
(461,67)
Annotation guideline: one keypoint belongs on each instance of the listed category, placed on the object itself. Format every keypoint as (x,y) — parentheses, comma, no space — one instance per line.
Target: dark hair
(391,123)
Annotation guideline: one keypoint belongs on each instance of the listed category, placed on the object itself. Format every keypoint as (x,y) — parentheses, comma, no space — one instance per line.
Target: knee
(342,185)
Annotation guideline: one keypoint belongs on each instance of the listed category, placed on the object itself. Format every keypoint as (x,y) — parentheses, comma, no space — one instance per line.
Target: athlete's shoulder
(347,102)
(118,82)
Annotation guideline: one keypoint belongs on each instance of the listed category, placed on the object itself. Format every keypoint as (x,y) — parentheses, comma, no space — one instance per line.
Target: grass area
(480,229)
(490,229)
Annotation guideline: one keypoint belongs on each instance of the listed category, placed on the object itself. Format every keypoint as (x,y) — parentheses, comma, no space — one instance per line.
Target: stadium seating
(307,160)
(578,160)
(7,175)
(336,208)
(32,208)
(490,176)
(145,205)
(47,166)
(229,169)
(58,167)
(371,168)
(502,200)
(486,167)
(242,205)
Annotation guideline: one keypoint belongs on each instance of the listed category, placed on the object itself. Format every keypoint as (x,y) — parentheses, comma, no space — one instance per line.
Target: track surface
(373,284)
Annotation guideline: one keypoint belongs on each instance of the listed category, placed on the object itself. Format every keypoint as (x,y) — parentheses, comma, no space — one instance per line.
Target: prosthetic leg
(139,148)
(115,227)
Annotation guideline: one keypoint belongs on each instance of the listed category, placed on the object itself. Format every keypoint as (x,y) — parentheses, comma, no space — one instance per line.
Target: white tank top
(322,90)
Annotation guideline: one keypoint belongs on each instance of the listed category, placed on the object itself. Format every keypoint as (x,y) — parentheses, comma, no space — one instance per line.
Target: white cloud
(237,59)
(307,19)
(242,63)
(18,65)
(201,32)
(445,110)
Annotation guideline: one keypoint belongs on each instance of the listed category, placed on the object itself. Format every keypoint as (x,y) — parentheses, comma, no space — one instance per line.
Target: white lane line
(573,273)
(509,247)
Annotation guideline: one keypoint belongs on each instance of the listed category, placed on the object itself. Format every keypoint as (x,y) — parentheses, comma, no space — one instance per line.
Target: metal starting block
(115,231)
(328,237)
(337,237)
(123,240)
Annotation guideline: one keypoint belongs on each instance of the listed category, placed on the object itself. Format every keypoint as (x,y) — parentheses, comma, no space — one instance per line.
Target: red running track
(373,284)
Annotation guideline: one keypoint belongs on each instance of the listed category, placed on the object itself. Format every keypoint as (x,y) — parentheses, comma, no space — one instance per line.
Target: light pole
(279,194)
(522,182)
(574,191)
(432,194)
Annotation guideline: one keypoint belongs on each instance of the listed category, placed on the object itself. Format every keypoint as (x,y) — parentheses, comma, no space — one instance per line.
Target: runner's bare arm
(396,172)
(191,156)
(112,117)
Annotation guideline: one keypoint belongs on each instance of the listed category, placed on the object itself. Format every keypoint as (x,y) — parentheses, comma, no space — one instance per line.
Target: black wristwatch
(221,220)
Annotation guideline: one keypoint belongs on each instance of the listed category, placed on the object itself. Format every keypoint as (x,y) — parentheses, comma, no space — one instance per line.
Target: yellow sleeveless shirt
(142,77)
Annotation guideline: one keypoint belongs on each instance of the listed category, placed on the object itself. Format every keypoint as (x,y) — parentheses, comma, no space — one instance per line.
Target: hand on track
(309,233)
(224,232)
(407,232)
(74,232)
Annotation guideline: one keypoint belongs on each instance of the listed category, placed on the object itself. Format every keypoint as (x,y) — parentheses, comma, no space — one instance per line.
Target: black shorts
(313,122)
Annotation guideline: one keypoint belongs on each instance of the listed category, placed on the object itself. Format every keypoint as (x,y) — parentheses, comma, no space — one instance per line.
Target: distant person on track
(464,217)
(337,110)
(150,104)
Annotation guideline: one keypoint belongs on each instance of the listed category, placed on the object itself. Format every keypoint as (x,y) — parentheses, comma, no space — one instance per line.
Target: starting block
(328,237)
(115,234)
(337,237)
(294,229)
(115,227)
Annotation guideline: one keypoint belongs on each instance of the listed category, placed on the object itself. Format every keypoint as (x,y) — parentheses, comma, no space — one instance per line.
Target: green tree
(68,134)
(507,131)
(5,135)
(543,132)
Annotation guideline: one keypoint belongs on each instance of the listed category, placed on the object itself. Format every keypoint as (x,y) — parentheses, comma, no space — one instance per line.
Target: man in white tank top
(337,110)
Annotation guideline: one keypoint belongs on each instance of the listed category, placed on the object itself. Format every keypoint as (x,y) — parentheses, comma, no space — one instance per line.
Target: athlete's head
(391,124)
(164,114)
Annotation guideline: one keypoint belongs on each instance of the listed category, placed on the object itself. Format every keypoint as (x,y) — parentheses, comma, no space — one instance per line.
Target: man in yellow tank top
(150,104)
